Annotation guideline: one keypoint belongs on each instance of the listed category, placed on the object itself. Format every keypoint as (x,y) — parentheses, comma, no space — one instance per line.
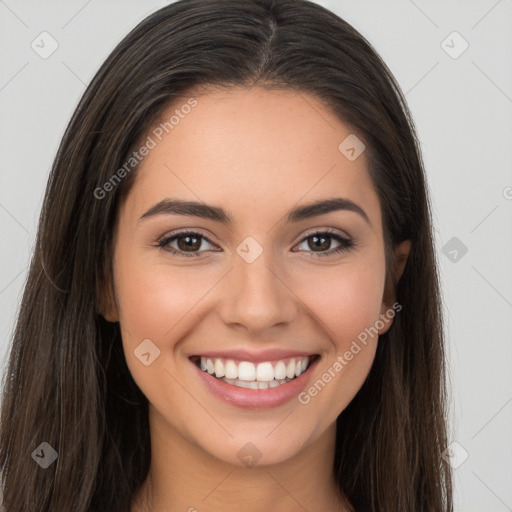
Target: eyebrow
(205,211)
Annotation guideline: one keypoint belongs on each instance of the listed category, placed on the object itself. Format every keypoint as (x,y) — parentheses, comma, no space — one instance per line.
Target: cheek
(345,299)
(346,303)
(348,314)
(157,303)
(153,298)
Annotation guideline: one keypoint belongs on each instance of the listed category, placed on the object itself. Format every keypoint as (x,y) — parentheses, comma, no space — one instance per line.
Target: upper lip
(261,356)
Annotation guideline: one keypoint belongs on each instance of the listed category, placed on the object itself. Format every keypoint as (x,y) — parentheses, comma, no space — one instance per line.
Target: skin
(293,299)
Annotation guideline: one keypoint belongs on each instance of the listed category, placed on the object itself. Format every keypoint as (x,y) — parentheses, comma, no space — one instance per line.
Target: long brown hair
(67,382)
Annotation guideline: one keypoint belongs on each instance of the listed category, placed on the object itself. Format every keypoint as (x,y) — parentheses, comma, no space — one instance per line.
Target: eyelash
(346,244)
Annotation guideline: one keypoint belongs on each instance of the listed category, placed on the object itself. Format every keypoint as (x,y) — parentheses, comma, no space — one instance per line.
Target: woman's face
(258,286)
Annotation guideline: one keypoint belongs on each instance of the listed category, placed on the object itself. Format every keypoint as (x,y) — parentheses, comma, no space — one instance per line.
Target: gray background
(462,108)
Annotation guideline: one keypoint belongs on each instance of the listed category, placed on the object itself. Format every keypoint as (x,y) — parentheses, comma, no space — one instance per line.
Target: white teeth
(219,368)
(280,371)
(266,374)
(255,384)
(246,371)
(231,369)
(290,369)
(248,385)
(298,368)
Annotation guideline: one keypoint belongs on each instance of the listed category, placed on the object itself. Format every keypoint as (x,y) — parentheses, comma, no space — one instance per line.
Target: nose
(256,296)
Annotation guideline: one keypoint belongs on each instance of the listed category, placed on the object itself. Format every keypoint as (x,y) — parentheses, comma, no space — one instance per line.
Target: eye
(187,243)
(320,242)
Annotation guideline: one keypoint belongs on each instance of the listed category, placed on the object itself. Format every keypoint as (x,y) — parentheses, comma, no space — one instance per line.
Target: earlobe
(107,307)
(399,262)
(110,316)
(401,256)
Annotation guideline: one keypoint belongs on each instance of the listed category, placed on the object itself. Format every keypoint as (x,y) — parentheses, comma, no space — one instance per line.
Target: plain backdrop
(459,88)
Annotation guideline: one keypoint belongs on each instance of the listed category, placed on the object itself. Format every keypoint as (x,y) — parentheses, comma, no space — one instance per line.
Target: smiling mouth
(248,375)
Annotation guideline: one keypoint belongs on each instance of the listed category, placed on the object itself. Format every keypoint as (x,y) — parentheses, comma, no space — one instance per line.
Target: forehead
(251,148)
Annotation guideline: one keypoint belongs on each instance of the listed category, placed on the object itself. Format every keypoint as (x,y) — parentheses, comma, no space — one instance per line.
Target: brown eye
(187,243)
(320,243)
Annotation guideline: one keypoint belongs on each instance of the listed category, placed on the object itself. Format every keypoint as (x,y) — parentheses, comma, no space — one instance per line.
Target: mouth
(255,376)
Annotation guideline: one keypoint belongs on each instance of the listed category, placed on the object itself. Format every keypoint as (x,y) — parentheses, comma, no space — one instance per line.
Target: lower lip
(256,398)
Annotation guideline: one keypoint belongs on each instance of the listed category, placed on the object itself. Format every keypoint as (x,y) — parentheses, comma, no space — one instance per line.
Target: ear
(389,297)
(107,306)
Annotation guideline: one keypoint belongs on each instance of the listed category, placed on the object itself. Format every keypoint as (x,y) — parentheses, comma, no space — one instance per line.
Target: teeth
(246,371)
(231,369)
(264,375)
(280,371)
(298,368)
(255,384)
(290,369)
(265,372)
(219,368)
(245,384)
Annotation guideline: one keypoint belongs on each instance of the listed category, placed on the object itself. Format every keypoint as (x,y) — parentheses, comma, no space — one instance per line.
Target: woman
(233,302)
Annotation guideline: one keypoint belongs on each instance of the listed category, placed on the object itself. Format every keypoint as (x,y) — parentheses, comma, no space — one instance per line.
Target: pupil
(184,242)
(324,245)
